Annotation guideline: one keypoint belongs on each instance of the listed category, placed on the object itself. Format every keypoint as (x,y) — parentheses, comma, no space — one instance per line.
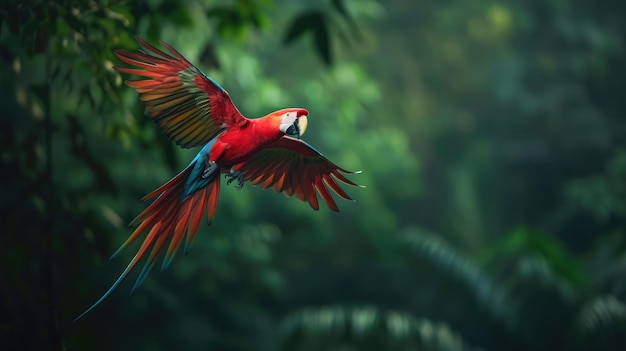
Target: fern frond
(535,267)
(447,259)
(366,328)
(601,324)
(602,314)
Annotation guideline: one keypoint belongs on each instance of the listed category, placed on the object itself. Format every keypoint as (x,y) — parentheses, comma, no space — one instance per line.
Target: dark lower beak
(294,130)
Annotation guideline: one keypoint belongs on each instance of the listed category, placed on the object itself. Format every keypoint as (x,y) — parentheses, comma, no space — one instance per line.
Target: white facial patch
(287,121)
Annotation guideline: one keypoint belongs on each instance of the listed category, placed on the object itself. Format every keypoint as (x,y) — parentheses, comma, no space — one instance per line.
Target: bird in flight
(193,110)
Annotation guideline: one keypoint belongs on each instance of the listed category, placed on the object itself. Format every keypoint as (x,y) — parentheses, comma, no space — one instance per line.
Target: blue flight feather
(195,181)
(117,282)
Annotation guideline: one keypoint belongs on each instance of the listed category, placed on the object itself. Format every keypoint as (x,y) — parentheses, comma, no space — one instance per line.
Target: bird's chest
(241,145)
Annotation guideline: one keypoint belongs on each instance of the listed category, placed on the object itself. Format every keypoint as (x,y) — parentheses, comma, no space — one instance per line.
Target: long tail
(174,213)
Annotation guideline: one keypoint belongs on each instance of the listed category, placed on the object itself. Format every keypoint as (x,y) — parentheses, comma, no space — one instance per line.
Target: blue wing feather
(195,181)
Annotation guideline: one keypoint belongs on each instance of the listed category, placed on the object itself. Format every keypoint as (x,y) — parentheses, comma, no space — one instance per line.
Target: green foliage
(603,194)
(318,23)
(315,23)
(490,135)
(603,317)
(232,21)
(463,271)
(367,328)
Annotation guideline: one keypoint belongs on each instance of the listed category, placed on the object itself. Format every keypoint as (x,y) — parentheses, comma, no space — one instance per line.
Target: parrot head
(293,122)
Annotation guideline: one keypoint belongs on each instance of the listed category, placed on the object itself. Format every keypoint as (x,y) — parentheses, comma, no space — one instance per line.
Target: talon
(209,168)
(235,175)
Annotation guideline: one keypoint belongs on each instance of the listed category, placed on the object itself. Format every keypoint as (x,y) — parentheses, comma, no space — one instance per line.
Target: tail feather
(156,249)
(189,208)
(195,219)
(169,217)
(208,202)
(214,195)
(179,232)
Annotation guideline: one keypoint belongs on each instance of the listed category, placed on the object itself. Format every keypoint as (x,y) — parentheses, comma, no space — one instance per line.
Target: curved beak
(298,127)
(302,124)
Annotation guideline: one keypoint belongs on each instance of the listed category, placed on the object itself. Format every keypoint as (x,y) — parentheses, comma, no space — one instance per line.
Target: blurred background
(491,135)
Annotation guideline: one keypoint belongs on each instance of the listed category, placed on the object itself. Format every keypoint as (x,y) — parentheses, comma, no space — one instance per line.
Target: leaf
(322,43)
(340,7)
(301,24)
(315,23)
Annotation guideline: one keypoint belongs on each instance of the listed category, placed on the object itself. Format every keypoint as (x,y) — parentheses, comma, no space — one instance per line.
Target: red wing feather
(190,107)
(295,168)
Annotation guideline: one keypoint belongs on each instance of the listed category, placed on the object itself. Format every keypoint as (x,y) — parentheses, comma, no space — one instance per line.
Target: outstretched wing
(294,167)
(189,106)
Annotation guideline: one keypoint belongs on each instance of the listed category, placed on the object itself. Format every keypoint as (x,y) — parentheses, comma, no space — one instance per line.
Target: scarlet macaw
(193,110)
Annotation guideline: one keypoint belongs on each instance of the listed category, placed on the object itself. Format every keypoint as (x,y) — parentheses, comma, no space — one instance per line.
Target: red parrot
(193,110)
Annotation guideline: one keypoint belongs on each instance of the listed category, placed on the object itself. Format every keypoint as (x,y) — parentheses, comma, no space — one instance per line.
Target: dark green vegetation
(492,136)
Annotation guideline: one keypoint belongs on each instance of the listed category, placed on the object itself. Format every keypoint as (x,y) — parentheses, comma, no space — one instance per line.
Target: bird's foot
(210,167)
(235,175)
